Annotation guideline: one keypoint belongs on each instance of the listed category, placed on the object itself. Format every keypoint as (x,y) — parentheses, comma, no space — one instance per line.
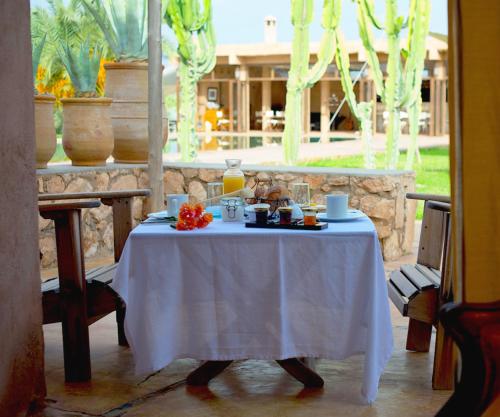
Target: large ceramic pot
(45,130)
(127,85)
(87,130)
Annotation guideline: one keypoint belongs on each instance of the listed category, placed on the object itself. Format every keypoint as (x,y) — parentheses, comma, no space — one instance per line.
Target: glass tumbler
(300,194)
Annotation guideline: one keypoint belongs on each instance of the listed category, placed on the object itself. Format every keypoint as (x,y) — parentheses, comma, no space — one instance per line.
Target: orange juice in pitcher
(233,178)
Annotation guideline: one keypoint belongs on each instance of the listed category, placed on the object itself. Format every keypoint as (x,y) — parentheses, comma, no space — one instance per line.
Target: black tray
(293,226)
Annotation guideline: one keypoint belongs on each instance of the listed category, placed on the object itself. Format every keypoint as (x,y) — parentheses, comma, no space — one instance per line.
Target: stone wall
(380,194)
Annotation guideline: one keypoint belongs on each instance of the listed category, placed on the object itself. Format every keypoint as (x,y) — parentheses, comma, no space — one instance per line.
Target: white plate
(350,215)
(159,215)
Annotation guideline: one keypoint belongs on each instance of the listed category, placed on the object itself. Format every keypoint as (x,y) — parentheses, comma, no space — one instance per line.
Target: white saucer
(350,215)
(159,215)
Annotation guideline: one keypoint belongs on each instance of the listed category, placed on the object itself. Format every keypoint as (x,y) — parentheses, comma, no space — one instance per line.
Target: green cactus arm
(413,120)
(414,66)
(188,18)
(342,60)
(330,16)
(302,12)
(369,8)
(325,57)
(183,36)
(329,21)
(207,59)
(367,39)
(204,17)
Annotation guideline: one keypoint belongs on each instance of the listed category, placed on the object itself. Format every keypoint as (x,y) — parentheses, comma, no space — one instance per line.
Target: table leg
(301,372)
(297,368)
(204,373)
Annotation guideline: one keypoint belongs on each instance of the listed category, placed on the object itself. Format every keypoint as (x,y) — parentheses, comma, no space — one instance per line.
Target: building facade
(245,93)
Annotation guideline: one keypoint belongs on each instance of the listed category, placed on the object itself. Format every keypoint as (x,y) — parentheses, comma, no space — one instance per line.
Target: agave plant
(62,22)
(124,25)
(36,54)
(82,67)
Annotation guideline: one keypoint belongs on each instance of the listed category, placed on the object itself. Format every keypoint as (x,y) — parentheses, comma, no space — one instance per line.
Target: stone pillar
(22,384)
(325,110)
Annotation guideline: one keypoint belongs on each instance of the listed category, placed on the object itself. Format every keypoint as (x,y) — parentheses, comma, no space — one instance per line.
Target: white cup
(336,205)
(174,203)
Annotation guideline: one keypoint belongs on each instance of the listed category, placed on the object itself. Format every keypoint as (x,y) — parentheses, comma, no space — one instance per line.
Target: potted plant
(87,129)
(124,24)
(45,131)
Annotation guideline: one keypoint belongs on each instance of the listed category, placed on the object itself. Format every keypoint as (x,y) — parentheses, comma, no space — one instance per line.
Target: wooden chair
(476,330)
(419,290)
(78,298)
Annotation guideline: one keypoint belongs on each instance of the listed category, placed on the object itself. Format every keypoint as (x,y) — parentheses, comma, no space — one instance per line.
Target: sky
(242,21)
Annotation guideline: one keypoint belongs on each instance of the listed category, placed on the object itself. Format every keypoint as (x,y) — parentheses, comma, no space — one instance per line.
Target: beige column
(155,108)
(244,110)
(230,105)
(442,108)
(325,110)
(475,149)
(266,96)
(22,382)
(266,103)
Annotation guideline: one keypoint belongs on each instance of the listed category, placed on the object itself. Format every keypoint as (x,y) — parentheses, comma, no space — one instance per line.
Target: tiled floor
(246,389)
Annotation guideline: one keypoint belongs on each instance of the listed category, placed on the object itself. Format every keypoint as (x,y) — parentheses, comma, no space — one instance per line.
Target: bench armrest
(437,205)
(427,197)
(95,194)
(50,211)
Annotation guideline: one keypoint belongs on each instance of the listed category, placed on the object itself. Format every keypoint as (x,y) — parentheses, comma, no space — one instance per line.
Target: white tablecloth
(226,292)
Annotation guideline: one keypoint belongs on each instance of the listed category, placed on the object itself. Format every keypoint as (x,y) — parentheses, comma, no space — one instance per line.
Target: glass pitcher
(233,178)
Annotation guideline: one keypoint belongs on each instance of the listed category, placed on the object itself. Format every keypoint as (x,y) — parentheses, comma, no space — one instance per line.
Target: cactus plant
(124,24)
(82,67)
(194,31)
(361,111)
(300,76)
(36,54)
(402,85)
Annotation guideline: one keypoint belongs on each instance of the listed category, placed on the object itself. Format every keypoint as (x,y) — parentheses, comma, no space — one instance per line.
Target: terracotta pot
(45,130)
(87,130)
(127,85)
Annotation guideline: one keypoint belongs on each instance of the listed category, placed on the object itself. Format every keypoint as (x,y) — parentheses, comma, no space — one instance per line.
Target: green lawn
(433,174)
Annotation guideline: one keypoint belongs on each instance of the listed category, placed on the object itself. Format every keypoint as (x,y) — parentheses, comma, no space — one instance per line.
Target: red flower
(191,217)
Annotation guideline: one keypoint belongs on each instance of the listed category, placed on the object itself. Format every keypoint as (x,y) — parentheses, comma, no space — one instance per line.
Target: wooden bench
(419,290)
(78,298)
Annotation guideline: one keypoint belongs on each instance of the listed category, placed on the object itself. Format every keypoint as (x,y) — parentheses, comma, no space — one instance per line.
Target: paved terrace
(246,389)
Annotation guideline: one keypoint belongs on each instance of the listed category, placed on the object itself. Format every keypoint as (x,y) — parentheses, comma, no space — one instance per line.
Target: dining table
(227,292)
